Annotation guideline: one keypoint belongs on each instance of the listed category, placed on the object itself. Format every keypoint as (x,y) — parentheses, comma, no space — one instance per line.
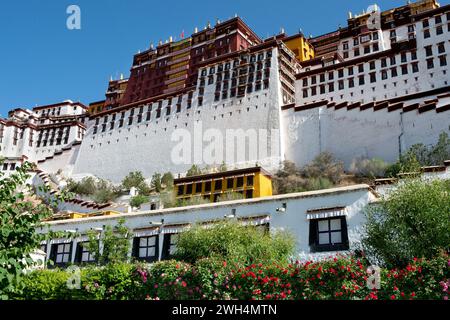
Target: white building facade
(42,135)
(323,223)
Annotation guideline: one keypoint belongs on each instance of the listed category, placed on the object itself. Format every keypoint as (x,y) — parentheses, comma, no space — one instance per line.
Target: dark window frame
(314,235)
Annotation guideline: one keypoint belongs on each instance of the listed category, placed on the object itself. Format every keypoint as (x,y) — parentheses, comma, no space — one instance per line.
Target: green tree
(87,186)
(194,170)
(156,182)
(325,165)
(233,242)
(167,180)
(136,179)
(115,244)
(369,168)
(20,217)
(138,200)
(441,151)
(231,196)
(192,201)
(412,221)
(223,167)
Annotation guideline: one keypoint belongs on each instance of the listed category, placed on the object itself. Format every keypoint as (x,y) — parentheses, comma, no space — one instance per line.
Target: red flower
(413,294)
(224,263)
(393,297)
(184,284)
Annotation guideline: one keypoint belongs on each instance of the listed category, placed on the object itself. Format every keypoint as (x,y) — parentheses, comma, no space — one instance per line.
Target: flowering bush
(336,278)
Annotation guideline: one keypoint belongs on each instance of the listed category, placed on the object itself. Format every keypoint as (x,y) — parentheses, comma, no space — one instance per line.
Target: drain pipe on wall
(400,137)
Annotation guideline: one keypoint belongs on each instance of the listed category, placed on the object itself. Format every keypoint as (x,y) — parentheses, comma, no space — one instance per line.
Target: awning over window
(58,241)
(146,232)
(323,213)
(254,220)
(82,239)
(175,228)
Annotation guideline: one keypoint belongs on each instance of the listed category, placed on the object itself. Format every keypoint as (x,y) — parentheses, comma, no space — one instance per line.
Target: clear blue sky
(42,62)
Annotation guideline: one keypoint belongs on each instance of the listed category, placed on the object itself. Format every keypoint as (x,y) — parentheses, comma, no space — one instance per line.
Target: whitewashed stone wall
(351,134)
(294,219)
(147,146)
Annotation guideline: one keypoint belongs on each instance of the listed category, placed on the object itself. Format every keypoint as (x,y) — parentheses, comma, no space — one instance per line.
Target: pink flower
(445,297)
(156,286)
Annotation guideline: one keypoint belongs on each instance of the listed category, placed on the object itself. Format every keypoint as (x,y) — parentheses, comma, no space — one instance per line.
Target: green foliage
(223,167)
(419,155)
(369,168)
(168,199)
(318,183)
(115,241)
(87,186)
(323,172)
(230,196)
(98,190)
(194,170)
(192,201)
(441,151)
(231,241)
(138,200)
(167,180)
(412,221)
(325,165)
(45,285)
(19,219)
(156,182)
(136,179)
(340,278)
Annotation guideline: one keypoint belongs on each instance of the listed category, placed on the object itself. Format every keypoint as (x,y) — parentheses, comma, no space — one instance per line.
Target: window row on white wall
(325,235)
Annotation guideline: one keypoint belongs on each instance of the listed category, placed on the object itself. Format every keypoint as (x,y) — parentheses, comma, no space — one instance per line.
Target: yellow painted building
(96,107)
(300,46)
(78,215)
(250,182)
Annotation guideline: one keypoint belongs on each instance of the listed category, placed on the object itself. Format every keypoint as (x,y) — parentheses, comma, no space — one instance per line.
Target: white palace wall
(148,146)
(350,134)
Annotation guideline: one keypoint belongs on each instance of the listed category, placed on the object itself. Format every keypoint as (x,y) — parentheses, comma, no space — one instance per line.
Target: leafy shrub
(338,278)
(45,285)
(231,196)
(87,186)
(192,201)
(167,180)
(231,241)
(323,172)
(98,190)
(194,170)
(116,244)
(136,179)
(420,155)
(369,168)
(325,165)
(138,200)
(412,221)
(318,184)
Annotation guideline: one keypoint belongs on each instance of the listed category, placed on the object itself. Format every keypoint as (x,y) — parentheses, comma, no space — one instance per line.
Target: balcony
(176,70)
(183,77)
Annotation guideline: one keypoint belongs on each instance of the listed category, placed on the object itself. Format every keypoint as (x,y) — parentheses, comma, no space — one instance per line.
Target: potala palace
(370,89)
